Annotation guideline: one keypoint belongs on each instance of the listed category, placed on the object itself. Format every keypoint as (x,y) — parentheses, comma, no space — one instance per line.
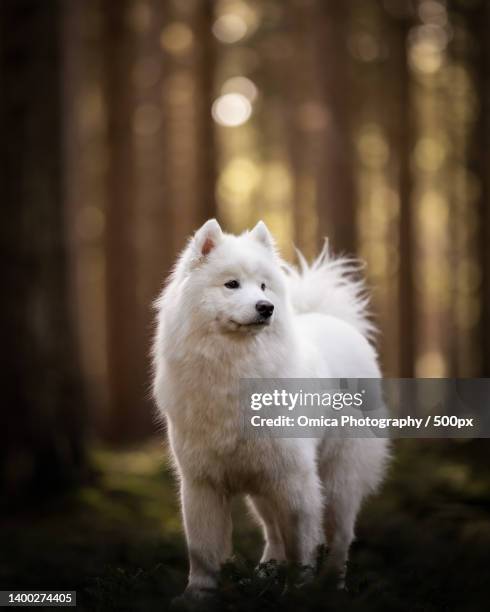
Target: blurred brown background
(127,124)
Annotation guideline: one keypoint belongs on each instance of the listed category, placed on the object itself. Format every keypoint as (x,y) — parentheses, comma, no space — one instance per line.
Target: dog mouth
(255,324)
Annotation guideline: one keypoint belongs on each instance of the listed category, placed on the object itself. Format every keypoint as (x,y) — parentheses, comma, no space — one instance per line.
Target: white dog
(232,309)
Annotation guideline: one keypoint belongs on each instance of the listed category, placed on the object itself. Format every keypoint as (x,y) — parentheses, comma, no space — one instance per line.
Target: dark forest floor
(423,542)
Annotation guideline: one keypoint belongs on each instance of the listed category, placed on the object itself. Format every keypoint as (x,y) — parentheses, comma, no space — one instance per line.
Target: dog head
(233,283)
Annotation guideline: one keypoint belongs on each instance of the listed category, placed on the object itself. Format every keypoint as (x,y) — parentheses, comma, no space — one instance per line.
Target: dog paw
(306,575)
(335,574)
(268,570)
(192,599)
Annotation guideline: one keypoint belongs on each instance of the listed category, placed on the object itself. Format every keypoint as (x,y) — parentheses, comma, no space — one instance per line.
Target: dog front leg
(300,517)
(207,522)
(267,515)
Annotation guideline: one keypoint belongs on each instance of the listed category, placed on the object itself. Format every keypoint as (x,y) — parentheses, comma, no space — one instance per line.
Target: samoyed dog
(233,309)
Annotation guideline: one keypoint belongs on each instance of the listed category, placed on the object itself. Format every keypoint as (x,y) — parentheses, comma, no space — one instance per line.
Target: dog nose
(264,308)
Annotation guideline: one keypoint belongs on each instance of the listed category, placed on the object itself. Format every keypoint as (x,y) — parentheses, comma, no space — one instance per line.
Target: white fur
(303,491)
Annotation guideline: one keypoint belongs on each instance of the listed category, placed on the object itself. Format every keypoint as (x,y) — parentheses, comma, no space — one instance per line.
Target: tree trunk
(336,180)
(160,180)
(127,350)
(407,319)
(43,420)
(483,169)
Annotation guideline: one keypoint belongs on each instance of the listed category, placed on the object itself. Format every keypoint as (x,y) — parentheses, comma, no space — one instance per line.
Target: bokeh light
(427,44)
(364,47)
(177,38)
(372,146)
(240,85)
(231,110)
(230,28)
(433,12)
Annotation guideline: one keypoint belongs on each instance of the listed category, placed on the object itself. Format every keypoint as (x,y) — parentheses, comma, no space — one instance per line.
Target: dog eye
(262,286)
(233,284)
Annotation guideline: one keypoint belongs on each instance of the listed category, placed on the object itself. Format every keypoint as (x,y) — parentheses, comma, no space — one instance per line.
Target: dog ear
(261,233)
(207,238)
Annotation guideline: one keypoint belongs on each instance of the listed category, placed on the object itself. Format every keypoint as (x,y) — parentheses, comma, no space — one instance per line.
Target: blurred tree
(481,24)
(126,340)
(188,145)
(402,126)
(336,184)
(157,80)
(308,122)
(85,177)
(42,417)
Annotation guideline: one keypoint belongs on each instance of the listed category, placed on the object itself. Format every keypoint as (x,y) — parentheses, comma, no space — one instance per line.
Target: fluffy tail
(331,286)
